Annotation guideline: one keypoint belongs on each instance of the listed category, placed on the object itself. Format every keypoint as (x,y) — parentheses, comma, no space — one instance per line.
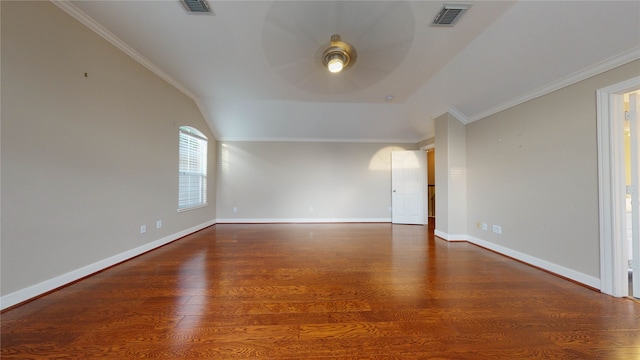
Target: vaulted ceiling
(254,67)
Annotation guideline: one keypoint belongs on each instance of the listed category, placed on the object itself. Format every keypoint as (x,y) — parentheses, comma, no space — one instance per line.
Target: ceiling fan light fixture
(335,63)
(339,56)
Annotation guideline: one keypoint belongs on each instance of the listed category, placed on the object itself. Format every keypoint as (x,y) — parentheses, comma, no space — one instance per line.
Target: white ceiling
(254,70)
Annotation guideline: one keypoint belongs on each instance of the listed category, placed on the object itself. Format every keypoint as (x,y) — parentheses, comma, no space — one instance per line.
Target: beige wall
(282,181)
(85,160)
(533,170)
(441,171)
(450,178)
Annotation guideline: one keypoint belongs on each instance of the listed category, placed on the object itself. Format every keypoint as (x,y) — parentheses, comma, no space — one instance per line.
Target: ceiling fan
(295,42)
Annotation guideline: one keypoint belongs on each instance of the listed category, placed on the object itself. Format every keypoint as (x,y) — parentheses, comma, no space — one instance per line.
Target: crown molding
(89,22)
(318,140)
(459,115)
(606,65)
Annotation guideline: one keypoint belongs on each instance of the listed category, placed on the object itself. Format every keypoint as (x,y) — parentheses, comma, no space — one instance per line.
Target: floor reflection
(409,259)
(192,280)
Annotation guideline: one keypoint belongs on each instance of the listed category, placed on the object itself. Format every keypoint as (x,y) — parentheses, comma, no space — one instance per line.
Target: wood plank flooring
(322,291)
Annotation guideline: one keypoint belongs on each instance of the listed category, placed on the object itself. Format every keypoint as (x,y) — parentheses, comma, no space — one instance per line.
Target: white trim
(543,264)
(319,140)
(89,22)
(74,275)
(199,206)
(459,115)
(450,238)
(613,62)
(611,187)
(440,234)
(303,220)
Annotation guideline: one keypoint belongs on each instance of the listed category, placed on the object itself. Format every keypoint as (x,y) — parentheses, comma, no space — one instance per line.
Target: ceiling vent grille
(449,15)
(196,6)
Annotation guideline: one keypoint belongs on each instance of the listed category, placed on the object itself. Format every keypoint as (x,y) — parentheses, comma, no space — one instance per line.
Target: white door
(408,174)
(634,110)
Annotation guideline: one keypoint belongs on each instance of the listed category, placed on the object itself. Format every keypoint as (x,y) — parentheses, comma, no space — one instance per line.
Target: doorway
(431,187)
(618,186)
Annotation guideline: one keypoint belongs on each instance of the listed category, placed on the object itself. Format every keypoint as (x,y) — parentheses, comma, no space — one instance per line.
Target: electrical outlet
(158,224)
(485,226)
(497,229)
(310,208)
(143,229)
(235,209)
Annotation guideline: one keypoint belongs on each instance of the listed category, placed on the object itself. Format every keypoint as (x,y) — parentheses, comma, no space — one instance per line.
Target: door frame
(611,186)
(634,138)
(426,148)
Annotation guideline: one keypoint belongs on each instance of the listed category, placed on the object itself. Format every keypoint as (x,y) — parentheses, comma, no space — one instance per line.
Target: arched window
(192,170)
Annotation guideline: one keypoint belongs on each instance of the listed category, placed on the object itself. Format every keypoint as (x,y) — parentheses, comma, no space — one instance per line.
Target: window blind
(192,170)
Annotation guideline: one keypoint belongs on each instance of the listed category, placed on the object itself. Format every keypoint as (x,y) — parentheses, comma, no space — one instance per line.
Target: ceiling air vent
(449,14)
(196,6)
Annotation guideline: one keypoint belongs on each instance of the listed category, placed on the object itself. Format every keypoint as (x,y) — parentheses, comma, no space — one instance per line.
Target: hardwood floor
(322,291)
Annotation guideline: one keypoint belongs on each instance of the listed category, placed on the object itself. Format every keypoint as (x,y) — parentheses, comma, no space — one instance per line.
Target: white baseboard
(449,237)
(303,220)
(582,278)
(62,280)
(58,281)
